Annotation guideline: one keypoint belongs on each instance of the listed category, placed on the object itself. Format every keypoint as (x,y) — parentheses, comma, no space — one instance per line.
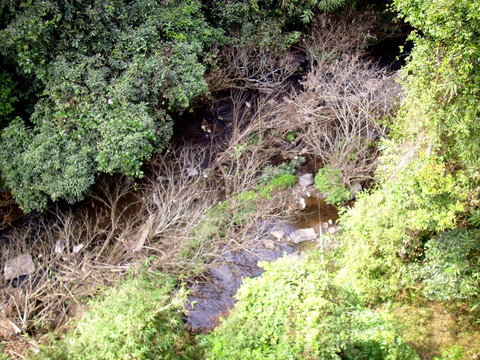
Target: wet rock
(306,180)
(214,298)
(209,300)
(20,266)
(278,234)
(265,227)
(302,235)
(269,244)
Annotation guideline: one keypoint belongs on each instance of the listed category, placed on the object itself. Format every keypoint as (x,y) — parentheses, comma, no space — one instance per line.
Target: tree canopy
(109,72)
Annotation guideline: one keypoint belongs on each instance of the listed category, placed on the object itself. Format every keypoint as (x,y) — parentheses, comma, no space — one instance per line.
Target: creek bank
(213,298)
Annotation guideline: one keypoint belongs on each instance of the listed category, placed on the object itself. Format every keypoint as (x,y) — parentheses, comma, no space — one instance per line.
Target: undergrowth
(295,310)
(141,319)
(422,201)
(241,211)
(329,182)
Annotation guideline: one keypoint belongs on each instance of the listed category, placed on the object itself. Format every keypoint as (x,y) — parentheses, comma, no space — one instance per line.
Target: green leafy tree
(442,76)
(268,24)
(235,14)
(110,71)
(328,180)
(7,96)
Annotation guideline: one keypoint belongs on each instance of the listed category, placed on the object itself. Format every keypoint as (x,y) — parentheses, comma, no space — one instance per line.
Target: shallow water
(316,212)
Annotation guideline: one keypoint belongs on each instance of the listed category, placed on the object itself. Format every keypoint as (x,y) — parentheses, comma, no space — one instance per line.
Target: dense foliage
(110,72)
(329,181)
(427,175)
(451,268)
(140,320)
(296,311)
(386,227)
(442,77)
(255,17)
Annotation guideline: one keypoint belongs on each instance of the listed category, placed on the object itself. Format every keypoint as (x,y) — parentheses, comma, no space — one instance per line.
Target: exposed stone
(19,266)
(299,191)
(59,246)
(306,180)
(356,188)
(302,203)
(269,244)
(302,235)
(192,172)
(278,234)
(77,248)
(332,230)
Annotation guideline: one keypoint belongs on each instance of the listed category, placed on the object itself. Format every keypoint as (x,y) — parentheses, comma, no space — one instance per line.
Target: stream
(214,298)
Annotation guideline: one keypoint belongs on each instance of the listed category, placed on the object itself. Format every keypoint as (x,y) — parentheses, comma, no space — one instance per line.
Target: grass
(437,330)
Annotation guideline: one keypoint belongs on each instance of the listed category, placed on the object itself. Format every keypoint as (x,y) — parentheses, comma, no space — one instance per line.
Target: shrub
(387,226)
(441,77)
(455,352)
(279,182)
(295,311)
(142,319)
(328,180)
(451,268)
(345,99)
(269,172)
